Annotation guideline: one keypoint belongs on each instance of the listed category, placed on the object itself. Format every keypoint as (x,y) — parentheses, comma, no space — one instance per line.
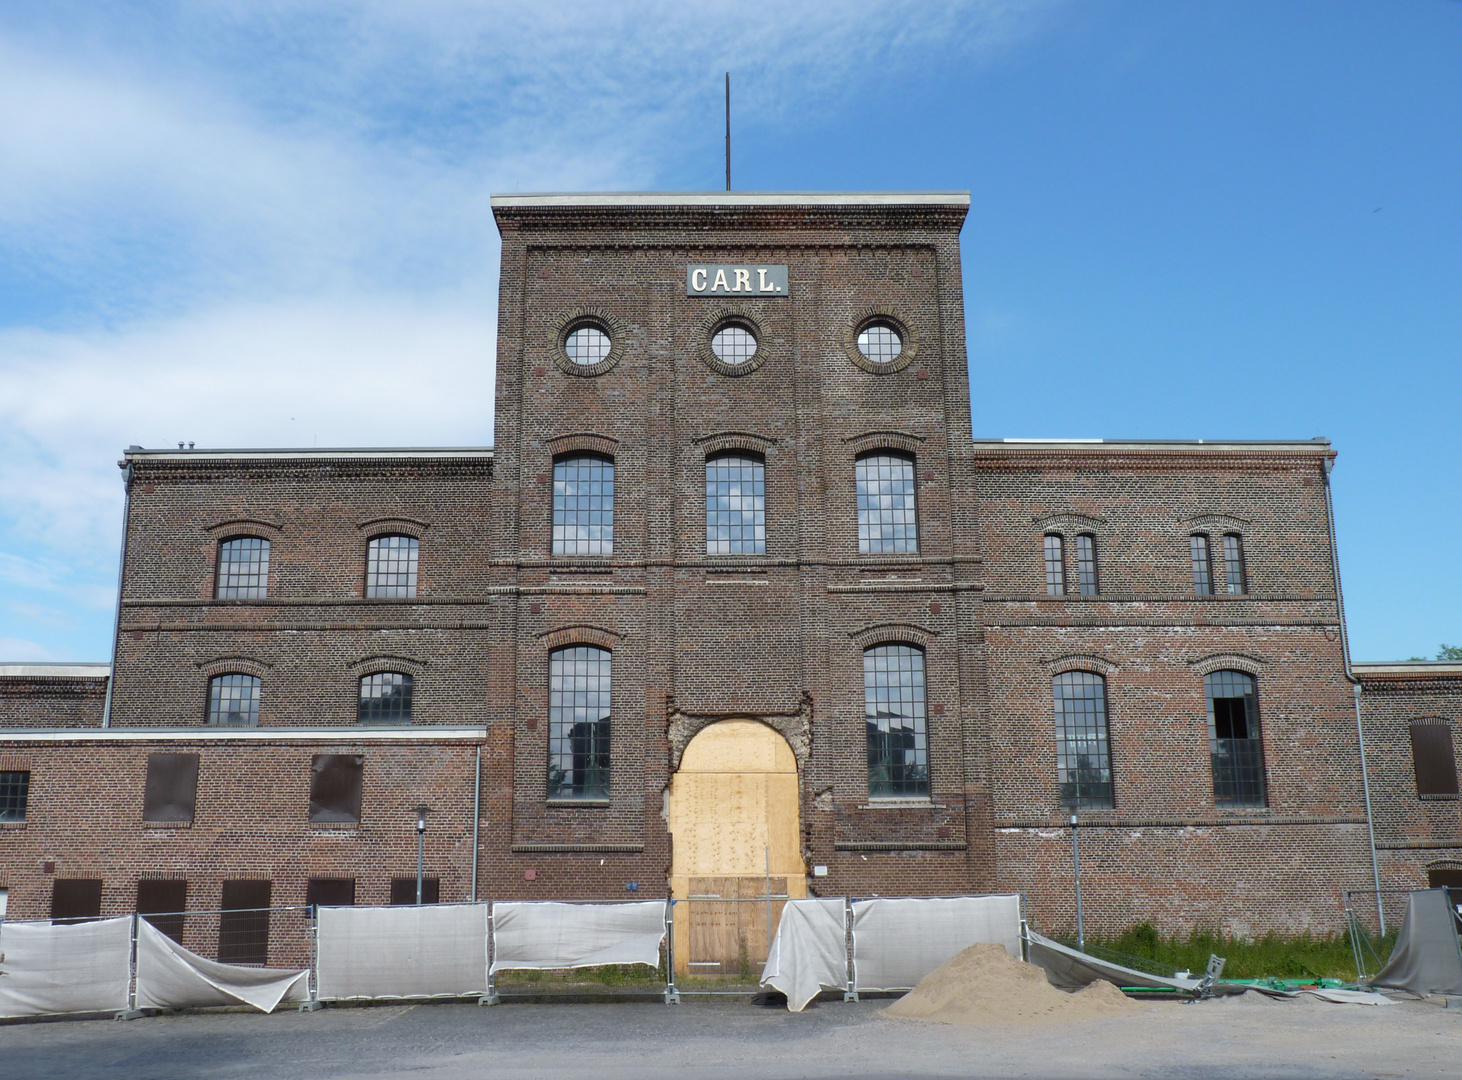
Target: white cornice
(353,733)
(668,199)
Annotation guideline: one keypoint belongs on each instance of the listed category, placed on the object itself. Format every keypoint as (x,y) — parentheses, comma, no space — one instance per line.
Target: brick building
(735,595)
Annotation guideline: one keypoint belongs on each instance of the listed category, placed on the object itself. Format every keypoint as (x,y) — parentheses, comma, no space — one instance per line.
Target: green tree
(1450,652)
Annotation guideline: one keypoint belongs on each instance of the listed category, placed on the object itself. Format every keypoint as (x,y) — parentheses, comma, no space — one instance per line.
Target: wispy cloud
(255,223)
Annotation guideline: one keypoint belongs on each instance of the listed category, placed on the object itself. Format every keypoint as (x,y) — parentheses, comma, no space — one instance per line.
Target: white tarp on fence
(65,969)
(809,952)
(434,950)
(171,977)
(897,942)
(547,935)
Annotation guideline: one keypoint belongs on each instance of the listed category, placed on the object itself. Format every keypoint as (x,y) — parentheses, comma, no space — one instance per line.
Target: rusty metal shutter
(243,925)
(403,890)
(162,901)
(335,788)
(172,788)
(1431,754)
(75,900)
(332,892)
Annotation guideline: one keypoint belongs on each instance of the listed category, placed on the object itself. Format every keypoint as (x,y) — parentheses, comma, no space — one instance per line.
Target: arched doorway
(735,825)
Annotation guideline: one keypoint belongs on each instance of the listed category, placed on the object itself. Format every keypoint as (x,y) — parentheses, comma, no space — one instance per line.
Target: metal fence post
(312,934)
(131,1012)
(491,997)
(851,993)
(672,993)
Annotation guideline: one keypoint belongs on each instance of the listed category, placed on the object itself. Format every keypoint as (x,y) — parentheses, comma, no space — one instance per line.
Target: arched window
(385,698)
(893,702)
(391,566)
(243,569)
(1202,564)
(1055,565)
(1086,564)
(583,506)
(233,700)
(578,723)
(736,503)
(887,515)
(1083,753)
(1233,563)
(1233,735)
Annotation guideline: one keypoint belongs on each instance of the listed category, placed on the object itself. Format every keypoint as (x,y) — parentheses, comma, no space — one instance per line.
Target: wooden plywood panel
(734,814)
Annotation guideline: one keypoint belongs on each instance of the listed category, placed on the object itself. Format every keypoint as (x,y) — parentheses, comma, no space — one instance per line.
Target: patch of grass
(1283,956)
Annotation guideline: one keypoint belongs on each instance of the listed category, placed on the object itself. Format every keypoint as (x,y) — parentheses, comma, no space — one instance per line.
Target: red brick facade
(696,638)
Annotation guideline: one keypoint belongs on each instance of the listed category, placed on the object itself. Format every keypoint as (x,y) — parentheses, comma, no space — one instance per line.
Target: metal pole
(728,131)
(420,844)
(1076,868)
(1365,783)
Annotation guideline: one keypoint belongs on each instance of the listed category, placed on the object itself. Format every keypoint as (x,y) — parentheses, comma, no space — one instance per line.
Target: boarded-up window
(243,926)
(330,891)
(335,783)
(172,788)
(75,900)
(1431,754)
(403,890)
(162,901)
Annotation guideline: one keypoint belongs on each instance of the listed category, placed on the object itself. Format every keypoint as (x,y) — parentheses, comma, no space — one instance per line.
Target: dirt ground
(721,1039)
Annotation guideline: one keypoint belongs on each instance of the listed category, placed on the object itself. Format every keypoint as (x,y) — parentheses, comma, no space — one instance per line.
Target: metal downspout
(476,818)
(121,572)
(1360,735)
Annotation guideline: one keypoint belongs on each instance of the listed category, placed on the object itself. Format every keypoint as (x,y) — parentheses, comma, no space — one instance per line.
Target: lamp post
(1076,868)
(421,813)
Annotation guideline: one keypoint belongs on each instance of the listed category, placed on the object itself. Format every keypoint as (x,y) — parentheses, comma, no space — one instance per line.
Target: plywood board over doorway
(734,815)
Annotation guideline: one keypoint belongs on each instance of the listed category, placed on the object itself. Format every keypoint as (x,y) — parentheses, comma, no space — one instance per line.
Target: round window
(880,343)
(587,345)
(734,345)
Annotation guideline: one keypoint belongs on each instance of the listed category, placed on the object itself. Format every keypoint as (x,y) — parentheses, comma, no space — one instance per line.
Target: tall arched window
(385,698)
(1233,563)
(1083,753)
(391,567)
(888,521)
(233,700)
(583,506)
(893,703)
(578,723)
(1233,734)
(736,503)
(1202,556)
(243,569)
(1086,564)
(1055,552)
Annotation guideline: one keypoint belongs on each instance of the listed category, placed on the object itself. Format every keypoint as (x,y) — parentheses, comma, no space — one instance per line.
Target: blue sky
(260,223)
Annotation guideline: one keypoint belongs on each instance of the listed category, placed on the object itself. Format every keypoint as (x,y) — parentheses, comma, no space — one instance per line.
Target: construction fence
(268,957)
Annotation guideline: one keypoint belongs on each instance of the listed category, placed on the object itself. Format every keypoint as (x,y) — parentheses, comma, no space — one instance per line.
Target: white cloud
(20,651)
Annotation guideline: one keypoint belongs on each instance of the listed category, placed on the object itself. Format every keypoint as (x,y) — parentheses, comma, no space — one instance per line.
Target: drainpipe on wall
(1360,734)
(121,571)
(476,818)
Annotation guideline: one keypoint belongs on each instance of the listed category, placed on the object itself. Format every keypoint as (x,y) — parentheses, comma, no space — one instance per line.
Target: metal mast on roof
(728,131)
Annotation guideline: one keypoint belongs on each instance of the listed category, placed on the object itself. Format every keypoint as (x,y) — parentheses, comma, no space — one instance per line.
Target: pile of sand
(986,985)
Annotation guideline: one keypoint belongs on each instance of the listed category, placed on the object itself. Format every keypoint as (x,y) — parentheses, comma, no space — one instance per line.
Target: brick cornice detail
(230,665)
(245,526)
(1080,662)
(580,634)
(1250,665)
(581,442)
(906,441)
(893,633)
